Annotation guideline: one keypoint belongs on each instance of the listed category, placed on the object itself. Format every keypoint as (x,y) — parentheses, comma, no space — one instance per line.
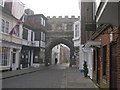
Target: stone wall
(60,23)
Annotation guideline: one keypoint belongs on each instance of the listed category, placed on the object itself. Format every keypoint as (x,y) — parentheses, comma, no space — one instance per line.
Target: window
(7,27)
(36,57)
(25,34)
(37,36)
(16,30)
(76,30)
(94,60)
(3,25)
(42,21)
(42,36)
(14,57)
(104,60)
(64,26)
(32,36)
(4,53)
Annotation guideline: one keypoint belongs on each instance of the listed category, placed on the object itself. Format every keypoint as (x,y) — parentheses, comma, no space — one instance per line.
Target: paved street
(58,76)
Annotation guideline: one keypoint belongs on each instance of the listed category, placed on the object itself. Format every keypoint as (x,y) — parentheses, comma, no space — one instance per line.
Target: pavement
(72,78)
(76,79)
(9,74)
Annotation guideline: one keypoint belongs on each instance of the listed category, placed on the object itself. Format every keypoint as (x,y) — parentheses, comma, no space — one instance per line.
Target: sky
(53,7)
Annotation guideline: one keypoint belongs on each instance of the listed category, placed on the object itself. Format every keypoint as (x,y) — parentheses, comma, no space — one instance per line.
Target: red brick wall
(118,63)
(105,40)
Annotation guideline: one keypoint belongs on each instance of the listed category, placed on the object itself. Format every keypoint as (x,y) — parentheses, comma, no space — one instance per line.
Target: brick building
(33,43)
(105,57)
(104,41)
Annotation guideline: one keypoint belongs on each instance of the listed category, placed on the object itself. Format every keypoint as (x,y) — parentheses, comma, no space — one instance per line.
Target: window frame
(5,56)
(7,26)
(16,30)
(3,25)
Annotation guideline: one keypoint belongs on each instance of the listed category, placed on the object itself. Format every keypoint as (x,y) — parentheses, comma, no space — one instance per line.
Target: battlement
(65,17)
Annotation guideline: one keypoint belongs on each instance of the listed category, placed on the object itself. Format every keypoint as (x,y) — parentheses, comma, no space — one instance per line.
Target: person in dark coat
(56,60)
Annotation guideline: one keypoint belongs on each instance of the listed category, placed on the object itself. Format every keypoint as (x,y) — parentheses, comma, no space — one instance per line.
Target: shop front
(9,56)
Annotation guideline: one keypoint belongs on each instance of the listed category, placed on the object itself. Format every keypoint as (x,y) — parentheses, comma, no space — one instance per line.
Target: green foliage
(85,69)
(104,86)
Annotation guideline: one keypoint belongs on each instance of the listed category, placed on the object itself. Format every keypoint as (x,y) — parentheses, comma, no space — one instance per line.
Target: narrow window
(94,60)
(104,59)
(7,27)
(3,25)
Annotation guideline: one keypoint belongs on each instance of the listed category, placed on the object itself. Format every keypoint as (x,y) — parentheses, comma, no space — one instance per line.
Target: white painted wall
(11,41)
(17,8)
(88,56)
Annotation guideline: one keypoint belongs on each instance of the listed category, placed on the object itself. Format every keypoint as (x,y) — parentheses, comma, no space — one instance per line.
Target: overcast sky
(53,7)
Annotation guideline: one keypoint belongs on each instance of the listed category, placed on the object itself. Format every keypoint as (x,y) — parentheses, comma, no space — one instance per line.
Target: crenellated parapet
(65,17)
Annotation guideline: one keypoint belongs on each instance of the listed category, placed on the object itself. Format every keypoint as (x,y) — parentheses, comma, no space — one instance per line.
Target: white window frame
(42,21)
(44,36)
(29,35)
(41,36)
(64,26)
(5,57)
(3,25)
(76,30)
(32,36)
(16,31)
(7,27)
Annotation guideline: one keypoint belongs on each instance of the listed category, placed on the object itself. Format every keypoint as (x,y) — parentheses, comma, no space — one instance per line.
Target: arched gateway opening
(52,43)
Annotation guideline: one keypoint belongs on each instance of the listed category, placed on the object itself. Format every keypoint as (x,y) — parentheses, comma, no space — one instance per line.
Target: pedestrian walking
(56,60)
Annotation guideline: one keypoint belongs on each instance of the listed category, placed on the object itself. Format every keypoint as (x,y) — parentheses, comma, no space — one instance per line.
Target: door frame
(98,65)
(111,75)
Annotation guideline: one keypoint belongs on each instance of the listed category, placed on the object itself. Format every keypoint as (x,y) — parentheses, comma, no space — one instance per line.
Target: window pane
(16,30)
(14,57)
(7,27)
(5,56)
(3,25)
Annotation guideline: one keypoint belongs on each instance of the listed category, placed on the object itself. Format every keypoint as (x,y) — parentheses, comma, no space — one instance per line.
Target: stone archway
(52,43)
